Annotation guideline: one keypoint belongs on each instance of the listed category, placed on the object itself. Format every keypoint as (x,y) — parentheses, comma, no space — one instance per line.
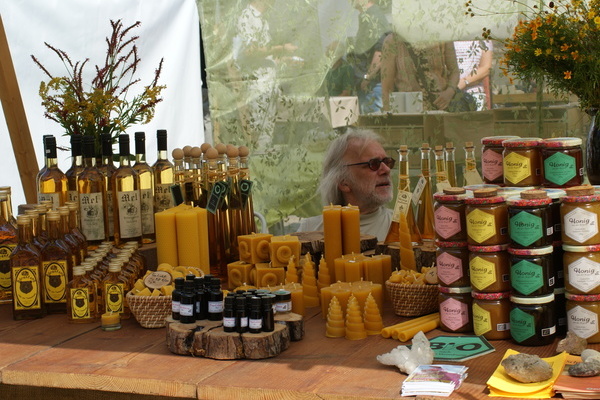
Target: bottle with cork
(9,211)
(249,224)
(57,267)
(75,169)
(81,298)
(471,175)
(107,167)
(234,200)
(450,163)
(425,219)
(146,176)
(163,174)
(52,182)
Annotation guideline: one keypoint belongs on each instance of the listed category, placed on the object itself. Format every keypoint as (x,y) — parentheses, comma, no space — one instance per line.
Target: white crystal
(407,359)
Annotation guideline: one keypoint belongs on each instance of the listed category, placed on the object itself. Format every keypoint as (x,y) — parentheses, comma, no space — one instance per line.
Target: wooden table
(51,356)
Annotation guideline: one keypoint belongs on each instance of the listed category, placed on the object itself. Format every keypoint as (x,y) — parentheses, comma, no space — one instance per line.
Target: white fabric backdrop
(169,29)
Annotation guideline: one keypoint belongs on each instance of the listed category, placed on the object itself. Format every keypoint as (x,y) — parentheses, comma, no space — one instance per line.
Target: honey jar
(455,309)
(452,264)
(489,268)
(582,269)
(486,218)
(522,162)
(532,320)
(491,315)
(557,263)
(579,212)
(491,158)
(530,221)
(560,306)
(556,195)
(562,162)
(531,271)
(582,316)
(449,214)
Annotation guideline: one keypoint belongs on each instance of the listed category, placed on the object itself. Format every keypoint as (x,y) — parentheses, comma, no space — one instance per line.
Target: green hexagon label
(526,277)
(559,168)
(522,325)
(516,167)
(525,228)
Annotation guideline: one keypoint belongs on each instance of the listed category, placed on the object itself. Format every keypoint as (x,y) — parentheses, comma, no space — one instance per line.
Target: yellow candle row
(341,232)
(354,267)
(358,324)
(343,291)
(263,247)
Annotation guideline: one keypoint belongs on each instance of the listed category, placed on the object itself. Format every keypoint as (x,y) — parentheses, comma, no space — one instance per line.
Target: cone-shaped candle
(335,320)
(372,317)
(291,274)
(355,327)
(309,283)
(323,274)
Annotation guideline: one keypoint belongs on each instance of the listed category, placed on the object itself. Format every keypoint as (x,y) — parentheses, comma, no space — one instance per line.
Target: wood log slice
(294,322)
(257,346)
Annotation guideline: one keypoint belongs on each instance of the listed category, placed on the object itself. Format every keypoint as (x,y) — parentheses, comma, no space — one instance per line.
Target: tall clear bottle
(81,298)
(425,217)
(76,167)
(8,242)
(451,164)
(470,161)
(146,188)
(234,200)
(125,184)
(70,239)
(196,174)
(178,191)
(74,227)
(441,175)
(107,167)
(163,174)
(52,182)
(93,198)
(57,267)
(248,221)
(8,191)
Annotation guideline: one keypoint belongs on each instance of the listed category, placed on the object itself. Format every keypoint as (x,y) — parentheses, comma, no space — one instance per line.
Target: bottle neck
(24,233)
(89,162)
(161,155)
(64,224)
(124,160)
(77,161)
(425,162)
(140,158)
(53,229)
(449,154)
(51,162)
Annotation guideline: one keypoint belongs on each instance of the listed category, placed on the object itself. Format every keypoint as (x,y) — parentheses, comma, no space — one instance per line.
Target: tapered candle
(372,317)
(335,326)
(355,326)
(323,275)
(309,283)
(350,229)
(291,274)
(297,297)
(407,255)
(332,235)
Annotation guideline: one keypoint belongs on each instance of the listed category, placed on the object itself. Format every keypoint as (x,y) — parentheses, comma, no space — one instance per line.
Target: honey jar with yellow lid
(491,158)
(449,214)
(486,218)
(491,315)
(530,219)
(579,213)
(489,268)
(522,162)
(562,162)
(582,269)
(452,264)
(583,316)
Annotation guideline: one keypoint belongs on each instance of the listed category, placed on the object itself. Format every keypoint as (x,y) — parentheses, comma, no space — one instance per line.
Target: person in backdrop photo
(474,63)
(356,171)
(339,80)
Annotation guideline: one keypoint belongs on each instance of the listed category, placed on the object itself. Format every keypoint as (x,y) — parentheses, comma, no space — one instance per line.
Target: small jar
(556,196)
(530,221)
(452,264)
(532,320)
(560,305)
(455,309)
(522,162)
(582,269)
(283,301)
(557,263)
(486,218)
(531,271)
(562,162)
(582,316)
(579,214)
(449,215)
(489,268)
(491,158)
(491,315)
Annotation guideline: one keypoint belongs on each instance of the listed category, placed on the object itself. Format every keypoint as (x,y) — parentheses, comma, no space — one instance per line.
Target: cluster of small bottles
(197,298)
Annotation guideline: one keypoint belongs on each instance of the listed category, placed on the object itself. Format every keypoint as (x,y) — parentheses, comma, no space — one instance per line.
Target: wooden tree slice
(257,346)
(294,322)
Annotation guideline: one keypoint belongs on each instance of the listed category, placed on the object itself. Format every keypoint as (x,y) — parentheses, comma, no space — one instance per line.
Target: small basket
(413,300)
(150,311)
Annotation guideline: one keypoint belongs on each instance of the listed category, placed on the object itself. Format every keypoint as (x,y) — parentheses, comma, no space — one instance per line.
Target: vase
(593,148)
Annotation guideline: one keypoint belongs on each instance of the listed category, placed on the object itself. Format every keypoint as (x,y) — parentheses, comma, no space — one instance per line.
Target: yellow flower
(564,47)
(538,52)
(575,54)
(567,74)
(597,21)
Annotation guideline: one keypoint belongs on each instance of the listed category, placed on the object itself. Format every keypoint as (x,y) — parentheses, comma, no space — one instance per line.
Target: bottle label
(147,205)
(130,214)
(255,323)
(163,198)
(526,277)
(229,322)
(244,322)
(559,168)
(580,225)
(491,165)
(245,191)
(92,215)
(584,274)
(114,296)
(110,211)
(175,307)
(53,197)
(186,310)
(215,307)
(526,228)
(482,320)
(447,222)
(582,322)
(482,273)
(516,167)
(402,205)
(283,306)
(26,289)
(522,325)
(80,303)
(5,252)
(73,196)
(481,225)
(472,177)
(449,268)
(416,196)
(454,314)
(217,196)
(55,281)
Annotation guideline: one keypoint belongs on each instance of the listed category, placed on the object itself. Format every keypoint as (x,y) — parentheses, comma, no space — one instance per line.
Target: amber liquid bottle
(440,166)
(74,228)
(425,218)
(178,190)
(114,289)
(451,164)
(70,239)
(146,175)
(52,182)
(107,168)
(127,208)
(248,221)
(76,168)
(196,174)
(163,174)
(36,228)
(93,199)
(8,242)
(11,218)
(81,298)
(234,200)
(57,267)
(27,275)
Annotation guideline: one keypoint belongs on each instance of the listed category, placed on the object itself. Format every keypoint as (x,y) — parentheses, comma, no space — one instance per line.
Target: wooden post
(16,121)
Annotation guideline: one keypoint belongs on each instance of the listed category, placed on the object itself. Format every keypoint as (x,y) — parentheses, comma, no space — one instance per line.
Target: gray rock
(587,368)
(590,354)
(572,344)
(527,368)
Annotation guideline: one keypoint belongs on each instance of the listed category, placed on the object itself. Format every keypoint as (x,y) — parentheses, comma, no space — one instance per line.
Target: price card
(157,279)
(472,178)
(402,205)
(459,348)
(419,190)
(245,190)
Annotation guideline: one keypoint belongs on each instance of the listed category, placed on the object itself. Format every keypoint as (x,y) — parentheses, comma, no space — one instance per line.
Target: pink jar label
(447,222)
(449,268)
(454,314)
(491,165)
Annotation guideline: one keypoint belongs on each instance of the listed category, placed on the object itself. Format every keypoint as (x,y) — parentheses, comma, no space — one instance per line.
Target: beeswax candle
(291,273)
(325,299)
(372,317)
(238,273)
(323,274)
(309,283)
(339,266)
(267,276)
(335,326)
(353,269)
(373,269)
(166,237)
(350,229)
(332,236)
(297,297)
(361,290)
(282,248)
(188,238)
(355,326)
(254,248)
(342,291)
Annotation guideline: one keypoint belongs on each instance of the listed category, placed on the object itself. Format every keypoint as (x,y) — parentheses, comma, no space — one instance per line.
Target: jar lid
(481,186)
(439,243)
(517,201)
(522,142)
(533,300)
(554,193)
(562,142)
(582,297)
(490,296)
(581,249)
(581,190)
(509,191)
(497,140)
(443,196)
(462,289)
(488,249)
(581,199)
(485,196)
(282,295)
(531,252)
(559,290)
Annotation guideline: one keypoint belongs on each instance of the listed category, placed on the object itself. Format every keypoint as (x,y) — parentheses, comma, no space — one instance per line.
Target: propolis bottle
(70,239)
(163,174)
(107,167)
(8,242)
(425,218)
(146,188)
(52,182)
(81,298)
(57,267)
(114,288)
(75,169)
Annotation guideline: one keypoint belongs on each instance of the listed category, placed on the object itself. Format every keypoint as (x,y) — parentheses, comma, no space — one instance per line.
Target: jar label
(130,214)
(186,310)
(114,297)
(559,168)
(92,216)
(449,268)
(526,277)
(481,225)
(522,325)
(482,273)
(229,322)
(525,228)
(53,197)
(454,314)
(580,225)
(147,204)
(491,165)
(26,288)
(582,322)
(163,198)
(482,320)
(5,251)
(447,222)
(55,281)
(584,274)
(80,303)
(516,167)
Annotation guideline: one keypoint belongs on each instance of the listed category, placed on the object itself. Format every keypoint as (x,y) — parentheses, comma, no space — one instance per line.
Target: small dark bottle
(200,304)
(186,306)
(241,316)
(176,298)
(255,321)
(215,300)
(268,316)
(229,314)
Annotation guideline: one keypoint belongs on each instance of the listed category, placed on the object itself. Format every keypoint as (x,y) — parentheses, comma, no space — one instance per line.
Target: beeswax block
(267,276)
(238,273)
(283,248)
(254,248)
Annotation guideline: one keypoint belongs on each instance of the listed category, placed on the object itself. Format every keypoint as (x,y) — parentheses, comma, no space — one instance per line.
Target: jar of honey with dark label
(530,220)
(560,306)
(583,316)
(533,320)
(579,213)
(452,264)
(489,268)
(455,309)
(486,218)
(562,162)
(449,214)
(491,158)
(491,315)
(522,162)
(557,262)
(556,196)
(582,269)
(531,271)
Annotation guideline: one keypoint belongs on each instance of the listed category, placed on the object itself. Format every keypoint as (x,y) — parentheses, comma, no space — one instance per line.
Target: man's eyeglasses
(375,163)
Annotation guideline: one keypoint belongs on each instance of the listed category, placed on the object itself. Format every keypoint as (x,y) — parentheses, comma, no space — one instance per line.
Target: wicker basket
(413,300)
(150,311)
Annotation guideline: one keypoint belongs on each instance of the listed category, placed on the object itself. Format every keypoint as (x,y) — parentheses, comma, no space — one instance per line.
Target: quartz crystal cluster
(407,359)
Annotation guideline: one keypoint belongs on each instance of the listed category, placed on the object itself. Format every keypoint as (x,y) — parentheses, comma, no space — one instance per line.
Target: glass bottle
(186,303)
(163,175)
(107,168)
(248,221)
(27,276)
(75,169)
(440,167)
(425,217)
(52,182)
(178,190)
(81,298)
(114,288)
(125,183)
(234,200)
(451,164)
(176,298)
(93,198)
(470,160)
(74,227)
(57,267)
(8,242)
(215,300)
(41,233)
(36,226)
(146,188)
(68,237)
(196,174)
(9,210)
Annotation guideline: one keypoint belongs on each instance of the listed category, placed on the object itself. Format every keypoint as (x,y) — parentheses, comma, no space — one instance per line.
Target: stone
(590,354)
(572,344)
(407,359)
(587,368)
(527,368)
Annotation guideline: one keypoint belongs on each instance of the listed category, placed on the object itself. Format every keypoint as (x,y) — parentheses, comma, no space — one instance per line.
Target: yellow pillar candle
(254,248)
(166,237)
(309,283)
(323,275)
(372,317)
(353,270)
(188,238)
(267,276)
(350,229)
(373,269)
(325,299)
(238,273)
(297,297)
(342,292)
(339,266)
(377,293)
(332,236)
(291,273)
(386,266)
(355,326)
(407,255)
(361,290)
(335,326)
